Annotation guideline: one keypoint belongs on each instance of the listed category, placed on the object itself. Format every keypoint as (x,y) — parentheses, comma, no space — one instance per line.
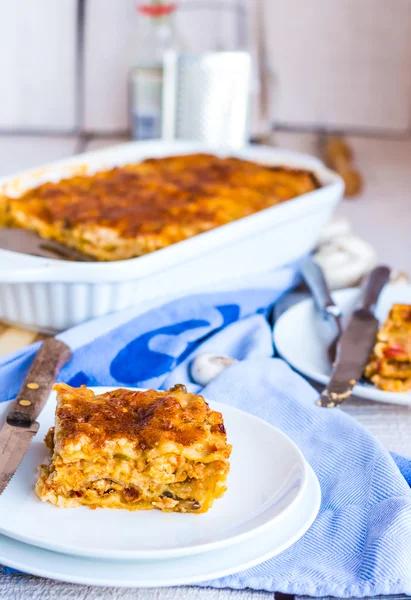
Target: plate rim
(149,555)
(360,391)
(311,513)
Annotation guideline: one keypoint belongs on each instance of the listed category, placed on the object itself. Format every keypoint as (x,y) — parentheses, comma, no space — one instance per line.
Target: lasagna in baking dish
(390,365)
(135,209)
(136,450)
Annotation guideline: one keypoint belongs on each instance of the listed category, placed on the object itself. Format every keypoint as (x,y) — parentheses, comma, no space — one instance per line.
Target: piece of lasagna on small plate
(390,365)
(135,450)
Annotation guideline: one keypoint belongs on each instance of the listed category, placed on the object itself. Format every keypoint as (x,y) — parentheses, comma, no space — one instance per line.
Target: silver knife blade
(356,344)
(14,442)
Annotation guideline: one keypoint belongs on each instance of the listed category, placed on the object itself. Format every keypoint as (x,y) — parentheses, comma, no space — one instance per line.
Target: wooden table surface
(381,215)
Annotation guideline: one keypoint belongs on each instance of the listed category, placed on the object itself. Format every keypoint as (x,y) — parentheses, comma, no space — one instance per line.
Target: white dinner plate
(267,476)
(301,337)
(177,571)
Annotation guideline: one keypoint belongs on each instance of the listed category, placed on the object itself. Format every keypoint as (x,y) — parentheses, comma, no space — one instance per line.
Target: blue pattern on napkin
(142,347)
(360,543)
(404,465)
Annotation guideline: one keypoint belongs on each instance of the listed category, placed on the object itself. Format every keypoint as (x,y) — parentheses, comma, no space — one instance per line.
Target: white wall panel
(338,62)
(342,62)
(111,29)
(37,63)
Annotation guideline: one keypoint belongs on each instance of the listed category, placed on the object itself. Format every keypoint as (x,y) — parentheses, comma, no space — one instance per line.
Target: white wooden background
(346,63)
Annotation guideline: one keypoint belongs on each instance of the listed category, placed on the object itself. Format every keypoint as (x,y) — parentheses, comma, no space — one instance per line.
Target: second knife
(356,343)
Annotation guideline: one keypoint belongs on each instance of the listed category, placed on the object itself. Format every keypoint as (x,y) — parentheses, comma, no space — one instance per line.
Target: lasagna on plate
(135,209)
(135,450)
(390,365)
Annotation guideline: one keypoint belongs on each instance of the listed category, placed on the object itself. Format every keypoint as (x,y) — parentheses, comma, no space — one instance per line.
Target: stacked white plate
(272,499)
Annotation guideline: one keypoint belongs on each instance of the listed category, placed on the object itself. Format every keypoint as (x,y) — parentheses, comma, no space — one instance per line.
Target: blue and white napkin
(360,543)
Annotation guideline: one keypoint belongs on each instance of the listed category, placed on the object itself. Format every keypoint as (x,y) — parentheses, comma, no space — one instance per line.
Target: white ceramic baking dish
(51,295)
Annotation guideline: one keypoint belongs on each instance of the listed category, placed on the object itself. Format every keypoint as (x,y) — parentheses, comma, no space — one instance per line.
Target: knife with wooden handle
(21,425)
(356,343)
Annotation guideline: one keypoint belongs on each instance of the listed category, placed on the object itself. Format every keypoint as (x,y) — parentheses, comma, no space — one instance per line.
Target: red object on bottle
(159,10)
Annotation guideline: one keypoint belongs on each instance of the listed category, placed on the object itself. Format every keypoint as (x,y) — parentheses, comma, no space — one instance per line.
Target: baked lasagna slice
(136,450)
(138,208)
(390,365)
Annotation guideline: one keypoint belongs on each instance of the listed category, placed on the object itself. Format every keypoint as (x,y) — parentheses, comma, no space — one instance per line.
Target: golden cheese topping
(138,208)
(137,420)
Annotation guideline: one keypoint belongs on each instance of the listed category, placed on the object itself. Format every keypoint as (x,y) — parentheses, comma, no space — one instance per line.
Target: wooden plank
(13,338)
(37,64)
(110,48)
(340,62)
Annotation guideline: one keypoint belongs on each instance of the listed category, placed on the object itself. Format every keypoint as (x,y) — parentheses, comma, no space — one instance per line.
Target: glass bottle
(156,36)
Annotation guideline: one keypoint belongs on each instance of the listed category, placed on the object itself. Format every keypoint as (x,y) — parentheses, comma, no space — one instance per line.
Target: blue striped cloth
(360,543)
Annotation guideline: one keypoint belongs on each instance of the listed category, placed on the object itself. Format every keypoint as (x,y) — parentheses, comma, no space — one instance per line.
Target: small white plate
(268,475)
(301,337)
(178,571)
